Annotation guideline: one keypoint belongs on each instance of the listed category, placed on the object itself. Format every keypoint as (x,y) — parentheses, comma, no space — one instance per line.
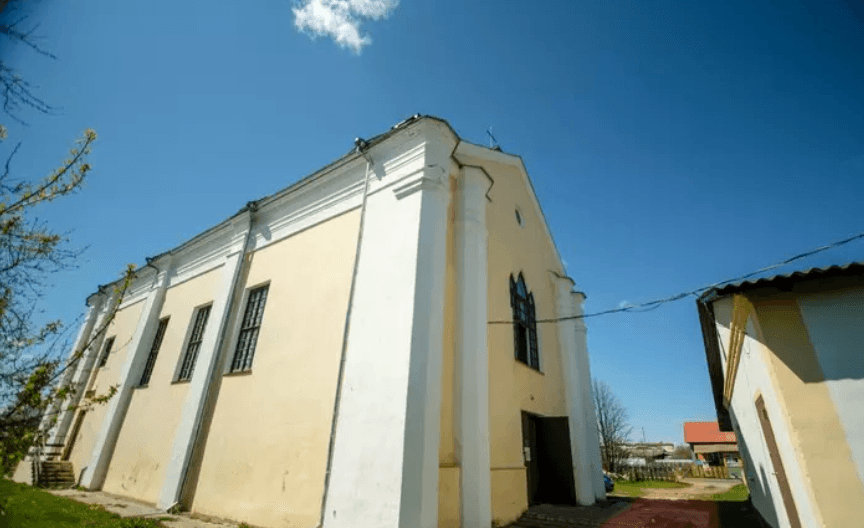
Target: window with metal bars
(524,323)
(106,350)
(249,328)
(198,324)
(154,351)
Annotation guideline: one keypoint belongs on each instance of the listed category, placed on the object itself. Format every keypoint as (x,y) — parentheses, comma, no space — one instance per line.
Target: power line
(653,305)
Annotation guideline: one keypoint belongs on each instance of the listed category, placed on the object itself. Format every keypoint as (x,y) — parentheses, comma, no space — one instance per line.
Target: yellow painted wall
(810,414)
(514,386)
(448,497)
(144,444)
(122,328)
(266,452)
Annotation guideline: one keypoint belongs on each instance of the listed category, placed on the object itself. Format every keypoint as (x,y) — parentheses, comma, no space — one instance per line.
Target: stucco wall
(815,428)
(514,386)
(266,450)
(835,324)
(121,328)
(752,380)
(448,475)
(800,354)
(144,444)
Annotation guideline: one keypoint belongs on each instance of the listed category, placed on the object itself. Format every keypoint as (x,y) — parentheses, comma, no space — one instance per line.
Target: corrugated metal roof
(851,268)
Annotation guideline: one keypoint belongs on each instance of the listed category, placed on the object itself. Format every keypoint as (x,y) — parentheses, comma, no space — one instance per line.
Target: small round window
(519,219)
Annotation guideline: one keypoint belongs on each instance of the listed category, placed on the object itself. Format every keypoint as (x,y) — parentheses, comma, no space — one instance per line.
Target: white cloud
(341,19)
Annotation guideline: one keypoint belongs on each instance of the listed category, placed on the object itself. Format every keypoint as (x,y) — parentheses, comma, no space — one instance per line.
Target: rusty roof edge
(715,366)
(850,268)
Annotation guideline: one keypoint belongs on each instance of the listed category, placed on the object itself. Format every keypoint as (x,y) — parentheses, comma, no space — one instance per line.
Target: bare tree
(613,423)
(17,92)
(31,362)
(682,452)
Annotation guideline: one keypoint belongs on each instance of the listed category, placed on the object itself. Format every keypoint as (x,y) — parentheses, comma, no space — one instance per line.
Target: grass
(632,488)
(28,507)
(737,493)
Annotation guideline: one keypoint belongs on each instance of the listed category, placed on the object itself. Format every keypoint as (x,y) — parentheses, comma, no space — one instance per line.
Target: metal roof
(708,322)
(851,268)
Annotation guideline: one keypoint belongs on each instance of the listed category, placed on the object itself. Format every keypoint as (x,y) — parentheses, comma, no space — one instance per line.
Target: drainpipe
(251,208)
(362,147)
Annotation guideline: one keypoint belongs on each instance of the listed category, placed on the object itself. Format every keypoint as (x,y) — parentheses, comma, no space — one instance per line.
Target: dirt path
(125,507)
(698,489)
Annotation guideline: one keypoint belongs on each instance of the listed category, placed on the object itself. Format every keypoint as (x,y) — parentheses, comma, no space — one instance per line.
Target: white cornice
(398,163)
(404,158)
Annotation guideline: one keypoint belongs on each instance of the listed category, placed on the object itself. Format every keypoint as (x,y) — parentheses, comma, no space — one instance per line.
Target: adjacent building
(358,349)
(785,359)
(711,445)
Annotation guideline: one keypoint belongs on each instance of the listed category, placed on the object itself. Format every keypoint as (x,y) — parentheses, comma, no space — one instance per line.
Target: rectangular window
(154,351)
(198,325)
(249,330)
(109,343)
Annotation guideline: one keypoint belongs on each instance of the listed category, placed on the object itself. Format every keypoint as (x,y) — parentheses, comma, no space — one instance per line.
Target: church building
(369,347)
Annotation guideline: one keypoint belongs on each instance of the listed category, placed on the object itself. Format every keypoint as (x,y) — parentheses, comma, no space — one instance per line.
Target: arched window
(524,323)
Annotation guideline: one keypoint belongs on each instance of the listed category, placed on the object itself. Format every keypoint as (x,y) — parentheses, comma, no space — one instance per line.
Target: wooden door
(529,452)
(779,471)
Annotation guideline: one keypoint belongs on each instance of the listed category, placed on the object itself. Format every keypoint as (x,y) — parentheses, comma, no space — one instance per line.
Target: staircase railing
(37,463)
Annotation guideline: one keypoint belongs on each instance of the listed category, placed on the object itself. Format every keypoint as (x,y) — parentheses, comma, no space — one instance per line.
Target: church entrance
(548,459)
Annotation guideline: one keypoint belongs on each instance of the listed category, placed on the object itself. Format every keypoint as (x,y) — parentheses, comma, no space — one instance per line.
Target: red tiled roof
(706,432)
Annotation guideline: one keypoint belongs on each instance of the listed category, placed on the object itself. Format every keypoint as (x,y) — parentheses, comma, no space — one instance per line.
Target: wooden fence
(718,472)
(651,472)
(673,472)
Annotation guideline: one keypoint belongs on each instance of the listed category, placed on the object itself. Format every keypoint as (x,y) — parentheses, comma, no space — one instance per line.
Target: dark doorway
(548,461)
(75,430)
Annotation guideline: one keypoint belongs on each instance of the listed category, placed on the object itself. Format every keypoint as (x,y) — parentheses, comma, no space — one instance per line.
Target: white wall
(835,323)
(753,378)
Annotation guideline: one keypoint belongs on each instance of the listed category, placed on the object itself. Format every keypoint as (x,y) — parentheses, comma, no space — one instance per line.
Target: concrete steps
(540,520)
(56,474)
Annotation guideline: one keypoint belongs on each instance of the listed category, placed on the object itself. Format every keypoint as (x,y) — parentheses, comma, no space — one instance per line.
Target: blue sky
(671,145)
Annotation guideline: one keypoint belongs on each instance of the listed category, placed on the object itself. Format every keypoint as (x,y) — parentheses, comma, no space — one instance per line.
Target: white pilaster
(472,353)
(186,433)
(384,470)
(84,371)
(59,408)
(584,382)
(568,337)
(130,374)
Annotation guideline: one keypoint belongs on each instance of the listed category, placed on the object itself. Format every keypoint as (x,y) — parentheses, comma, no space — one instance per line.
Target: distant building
(648,450)
(785,358)
(710,444)
(324,356)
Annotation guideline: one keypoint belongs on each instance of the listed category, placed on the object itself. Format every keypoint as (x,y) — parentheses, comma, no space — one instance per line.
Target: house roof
(709,324)
(835,270)
(706,433)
